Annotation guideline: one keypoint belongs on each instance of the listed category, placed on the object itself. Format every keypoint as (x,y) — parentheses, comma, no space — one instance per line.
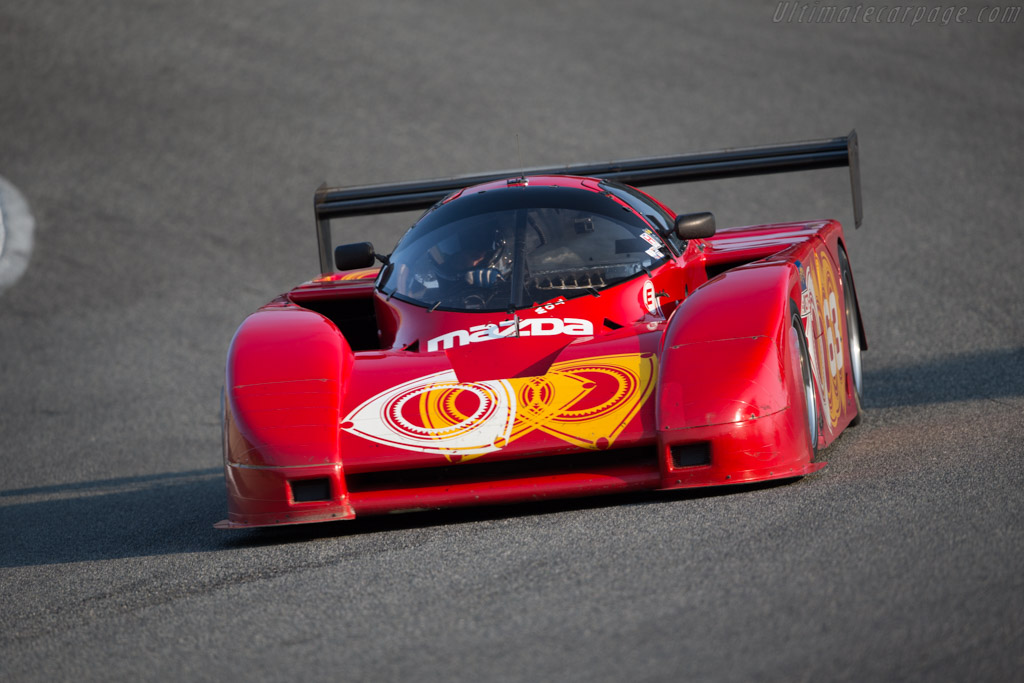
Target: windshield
(517,246)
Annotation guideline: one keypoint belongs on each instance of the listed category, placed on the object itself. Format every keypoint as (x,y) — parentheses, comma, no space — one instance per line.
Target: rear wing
(366,200)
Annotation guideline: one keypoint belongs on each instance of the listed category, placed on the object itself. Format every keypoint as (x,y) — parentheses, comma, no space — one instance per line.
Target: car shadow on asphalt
(111,518)
(991,374)
(174,513)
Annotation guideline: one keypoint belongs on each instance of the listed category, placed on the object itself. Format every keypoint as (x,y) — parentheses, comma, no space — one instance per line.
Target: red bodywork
(340,402)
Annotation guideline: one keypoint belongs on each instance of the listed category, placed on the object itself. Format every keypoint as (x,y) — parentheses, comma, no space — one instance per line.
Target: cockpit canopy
(513,247)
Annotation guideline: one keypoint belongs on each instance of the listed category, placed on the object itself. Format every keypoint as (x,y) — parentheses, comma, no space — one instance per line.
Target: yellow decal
(830,343)
(586,403)
(361,274)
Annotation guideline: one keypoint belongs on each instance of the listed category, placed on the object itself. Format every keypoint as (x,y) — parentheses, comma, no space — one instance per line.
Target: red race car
(550,333)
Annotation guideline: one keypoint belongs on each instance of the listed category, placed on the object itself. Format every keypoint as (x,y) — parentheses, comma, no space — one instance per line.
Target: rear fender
(840,244)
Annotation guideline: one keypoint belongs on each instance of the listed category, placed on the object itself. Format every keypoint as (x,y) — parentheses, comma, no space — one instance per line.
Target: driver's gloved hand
(483,277)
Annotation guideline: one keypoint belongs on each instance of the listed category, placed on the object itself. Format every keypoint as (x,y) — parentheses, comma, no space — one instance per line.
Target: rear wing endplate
(366,200)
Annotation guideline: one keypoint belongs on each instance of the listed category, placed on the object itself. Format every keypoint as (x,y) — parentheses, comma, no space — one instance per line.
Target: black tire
(854,338)
(807,382)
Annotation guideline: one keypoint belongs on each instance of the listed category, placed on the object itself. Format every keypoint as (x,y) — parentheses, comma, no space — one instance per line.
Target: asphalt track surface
(169,152)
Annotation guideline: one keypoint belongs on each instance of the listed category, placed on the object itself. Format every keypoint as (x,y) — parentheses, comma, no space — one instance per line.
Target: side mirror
(692,225)
(354,256)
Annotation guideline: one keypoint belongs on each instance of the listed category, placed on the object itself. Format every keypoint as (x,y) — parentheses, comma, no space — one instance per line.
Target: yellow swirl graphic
(586,402)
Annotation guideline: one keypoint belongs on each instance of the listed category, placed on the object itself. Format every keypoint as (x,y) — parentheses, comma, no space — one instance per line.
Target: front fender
(729,404)
(286,375)
(722,359)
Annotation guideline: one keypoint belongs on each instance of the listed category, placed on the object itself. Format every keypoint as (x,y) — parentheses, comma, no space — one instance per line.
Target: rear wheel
(854,339)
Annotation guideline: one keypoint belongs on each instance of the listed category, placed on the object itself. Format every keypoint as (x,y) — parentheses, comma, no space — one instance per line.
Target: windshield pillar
(519,260)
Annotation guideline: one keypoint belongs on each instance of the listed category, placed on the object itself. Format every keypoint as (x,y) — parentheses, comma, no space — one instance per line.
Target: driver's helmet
(481,246)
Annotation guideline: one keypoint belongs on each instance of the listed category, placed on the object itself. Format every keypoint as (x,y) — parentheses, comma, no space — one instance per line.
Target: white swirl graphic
(385,418)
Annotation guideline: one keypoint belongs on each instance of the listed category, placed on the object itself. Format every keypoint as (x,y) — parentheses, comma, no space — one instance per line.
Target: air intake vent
(691,454)
(311,490)
(612,462)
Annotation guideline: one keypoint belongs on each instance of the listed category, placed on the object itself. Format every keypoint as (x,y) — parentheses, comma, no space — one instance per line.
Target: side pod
(281,417)
(731,406)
